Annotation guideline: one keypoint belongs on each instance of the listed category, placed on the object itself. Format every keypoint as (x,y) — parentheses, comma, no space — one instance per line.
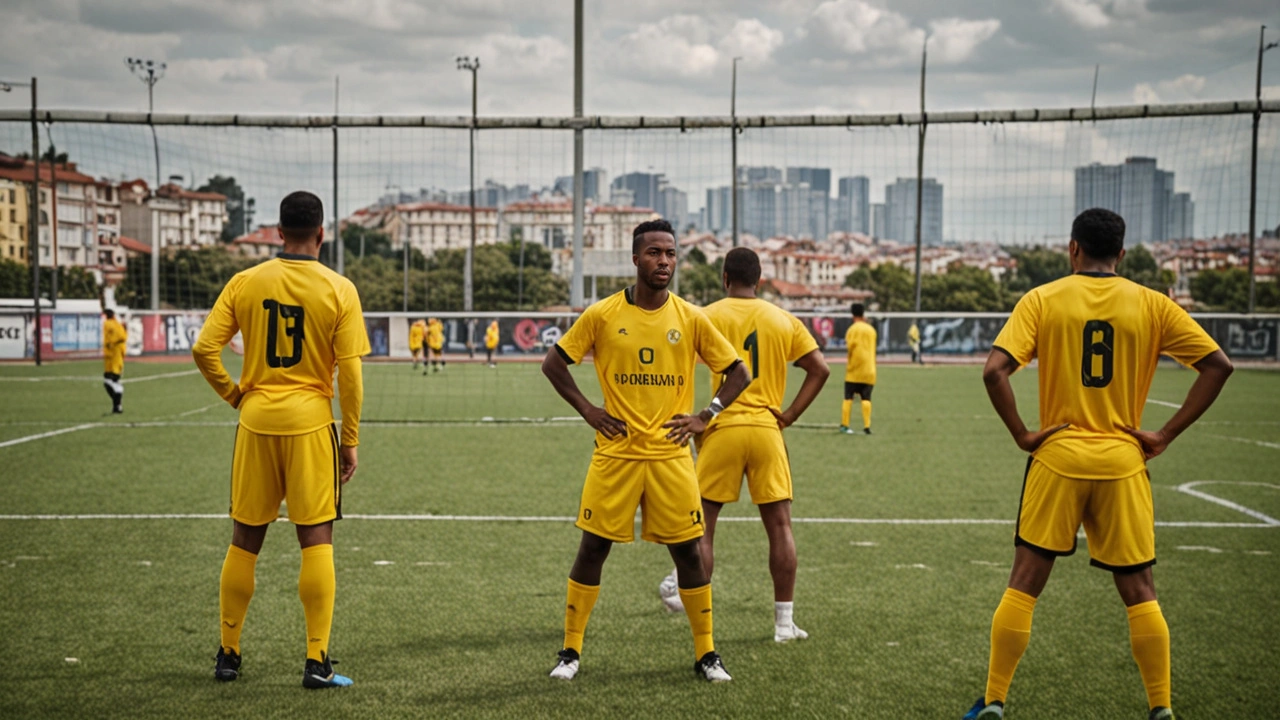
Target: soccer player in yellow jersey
(860,370)
(299,321)
(435,344)
(416,332)
(747,436)
(491,341)
(1098,338)
(646,342)
(114,337)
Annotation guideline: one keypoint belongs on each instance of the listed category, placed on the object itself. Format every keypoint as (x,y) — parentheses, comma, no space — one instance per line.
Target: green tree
(1035,267)
(225,185)
(189,278)
(363,242)
(962,288)
(892,286)
(74,283)
(1140,266)
(1227,290)
(701,282)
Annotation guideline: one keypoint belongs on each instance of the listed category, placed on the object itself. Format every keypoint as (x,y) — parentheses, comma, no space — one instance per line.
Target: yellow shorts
(1118,518)
(436,349)
(666,491)
(726,453)
(113,364)
(415,349)
(302,470)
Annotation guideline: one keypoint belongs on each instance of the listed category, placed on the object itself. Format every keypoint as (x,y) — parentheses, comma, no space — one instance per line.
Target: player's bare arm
(1000,366)
(557,371)
(816,373)
(1213,371)
(683,427)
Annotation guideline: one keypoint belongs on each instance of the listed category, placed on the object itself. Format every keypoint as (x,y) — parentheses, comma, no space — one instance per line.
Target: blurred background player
(435,344)
(747,436)
(491,341)
(114,338)
(299,320)
(860,369)
(646,343)
(1098,338)
(416,333)
(913,339)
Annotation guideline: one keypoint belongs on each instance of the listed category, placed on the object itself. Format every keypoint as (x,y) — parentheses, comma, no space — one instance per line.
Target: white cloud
(1144,94)
(679,45)
(954,40)
(751,40)
(1085,13)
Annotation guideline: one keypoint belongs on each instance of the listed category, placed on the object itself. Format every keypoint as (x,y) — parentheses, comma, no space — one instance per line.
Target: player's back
(289,312)
(860,339)
(766,338)
(1098,338)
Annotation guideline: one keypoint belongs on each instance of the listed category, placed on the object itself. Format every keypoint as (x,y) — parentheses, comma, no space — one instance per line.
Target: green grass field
(462,617)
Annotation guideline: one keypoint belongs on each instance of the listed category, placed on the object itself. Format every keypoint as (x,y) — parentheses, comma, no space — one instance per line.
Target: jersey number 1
(752,344)
(276,311)
(1099,342)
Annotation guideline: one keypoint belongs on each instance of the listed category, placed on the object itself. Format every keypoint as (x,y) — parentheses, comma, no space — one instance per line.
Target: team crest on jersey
(673,336)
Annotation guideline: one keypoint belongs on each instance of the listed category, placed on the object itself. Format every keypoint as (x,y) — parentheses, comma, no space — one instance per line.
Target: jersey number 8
(1099,342)
(276,311)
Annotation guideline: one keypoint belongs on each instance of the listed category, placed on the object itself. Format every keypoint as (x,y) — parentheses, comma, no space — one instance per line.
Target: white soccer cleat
(567,668)
(787,633)
(669,591)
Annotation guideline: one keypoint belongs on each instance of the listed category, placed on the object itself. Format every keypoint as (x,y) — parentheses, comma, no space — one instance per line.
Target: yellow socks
(697,605)
(577,610)
(866,413)
(1010,633)
(315,589)
(846,409)
(1149,636)
(235,590)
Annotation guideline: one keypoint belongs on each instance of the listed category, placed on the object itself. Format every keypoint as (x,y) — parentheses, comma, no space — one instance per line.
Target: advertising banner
(13,337)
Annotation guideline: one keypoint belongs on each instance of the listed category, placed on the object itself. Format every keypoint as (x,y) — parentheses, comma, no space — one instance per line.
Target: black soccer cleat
(711,668)
(866,431)
(226,665)
(318,675)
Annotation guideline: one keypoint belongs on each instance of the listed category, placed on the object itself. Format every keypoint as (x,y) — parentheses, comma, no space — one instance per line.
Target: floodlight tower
(33,211)
(149,72)
(473,65)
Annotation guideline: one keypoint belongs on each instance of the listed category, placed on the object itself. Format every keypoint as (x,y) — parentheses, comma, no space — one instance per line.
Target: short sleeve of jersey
(715,351)
(1018,336)
(1181,337)
(350,339)
(802,342)
(581,337)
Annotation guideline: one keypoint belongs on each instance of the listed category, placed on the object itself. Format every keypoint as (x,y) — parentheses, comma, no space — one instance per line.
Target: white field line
(567,519)
(161,376)
(51,433)
(1175,406)
(98,378)
(1189,489)
(208,407)
(1247,441)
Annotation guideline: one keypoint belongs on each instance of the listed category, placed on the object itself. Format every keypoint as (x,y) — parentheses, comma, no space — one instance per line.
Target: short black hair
(1099,233)
(109,313)
(742,267)
(301,214)
(649,226)
(858,309)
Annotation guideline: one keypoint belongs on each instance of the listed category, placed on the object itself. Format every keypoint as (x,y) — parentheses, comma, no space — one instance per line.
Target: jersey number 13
(293,319)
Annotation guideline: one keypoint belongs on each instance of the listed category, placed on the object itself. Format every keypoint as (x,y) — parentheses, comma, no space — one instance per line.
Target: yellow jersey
(645,362)
(767,338)
(113,339)
(415,335)
(435,335)
(861,341)
(491,335)
(298,318)
(1098,338)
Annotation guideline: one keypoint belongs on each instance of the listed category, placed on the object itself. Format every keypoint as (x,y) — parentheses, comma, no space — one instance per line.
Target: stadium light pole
(149,72)
(924,62)
(733,144)
(1253,166)
(33,208)
(473,66)
(576,289)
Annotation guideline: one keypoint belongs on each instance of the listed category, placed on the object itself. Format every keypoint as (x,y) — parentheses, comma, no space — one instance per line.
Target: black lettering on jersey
(1102,347)
(646,356)
(275,312)
(656,379)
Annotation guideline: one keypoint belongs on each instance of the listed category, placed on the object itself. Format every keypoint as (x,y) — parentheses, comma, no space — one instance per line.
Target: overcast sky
(654,57)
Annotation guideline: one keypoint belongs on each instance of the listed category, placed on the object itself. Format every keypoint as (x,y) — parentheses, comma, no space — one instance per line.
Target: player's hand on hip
(604,423)
(784,420)
(1153,442)
(346,463)
(682,428)
(1029,440)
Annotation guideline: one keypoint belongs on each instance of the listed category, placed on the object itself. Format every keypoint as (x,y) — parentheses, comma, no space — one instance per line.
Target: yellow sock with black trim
(846,409)
(1010,633)
(1149,636)
(235,590)
(697,605)
(578,603)
(316,584)
(866,413)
